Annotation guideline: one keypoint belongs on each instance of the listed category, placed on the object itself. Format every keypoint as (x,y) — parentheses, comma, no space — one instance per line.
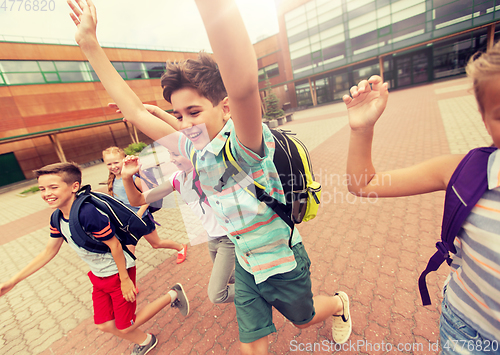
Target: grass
(32,189)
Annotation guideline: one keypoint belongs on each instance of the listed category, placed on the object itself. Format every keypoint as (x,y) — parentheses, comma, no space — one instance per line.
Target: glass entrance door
(11,171)
(420,64)
(413,68)
(403,67)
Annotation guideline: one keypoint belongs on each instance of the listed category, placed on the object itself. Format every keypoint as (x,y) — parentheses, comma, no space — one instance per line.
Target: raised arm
(237,62)
(129,169)
(143,207)
(156,111)
(50,251)
(85,18)
(135,197)
(365,106)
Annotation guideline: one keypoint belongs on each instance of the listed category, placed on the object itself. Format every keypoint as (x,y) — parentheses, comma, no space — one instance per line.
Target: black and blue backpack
(466,186)
(128,226)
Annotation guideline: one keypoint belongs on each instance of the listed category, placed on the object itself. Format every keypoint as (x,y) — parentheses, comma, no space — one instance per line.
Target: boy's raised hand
(85,18)
(367,103)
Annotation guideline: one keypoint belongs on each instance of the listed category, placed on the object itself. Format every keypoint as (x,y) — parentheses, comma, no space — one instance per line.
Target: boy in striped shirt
(470,312)
(211,103)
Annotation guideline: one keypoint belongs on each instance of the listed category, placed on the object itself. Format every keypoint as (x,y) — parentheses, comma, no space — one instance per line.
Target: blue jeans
(458,337)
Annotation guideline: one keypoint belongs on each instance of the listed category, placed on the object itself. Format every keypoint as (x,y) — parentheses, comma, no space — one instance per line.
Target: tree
(273,111)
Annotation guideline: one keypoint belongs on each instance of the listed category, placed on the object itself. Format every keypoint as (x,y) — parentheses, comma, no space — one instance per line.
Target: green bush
(135,148)
(32,189)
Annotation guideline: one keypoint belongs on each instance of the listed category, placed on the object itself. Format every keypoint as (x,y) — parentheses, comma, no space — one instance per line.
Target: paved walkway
(372,249)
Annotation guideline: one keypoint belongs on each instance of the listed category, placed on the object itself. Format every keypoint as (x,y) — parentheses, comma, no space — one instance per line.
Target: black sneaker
(142,350)
(181,302)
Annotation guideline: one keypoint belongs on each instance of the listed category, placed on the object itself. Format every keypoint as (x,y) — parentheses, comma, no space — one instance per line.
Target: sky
(160,24)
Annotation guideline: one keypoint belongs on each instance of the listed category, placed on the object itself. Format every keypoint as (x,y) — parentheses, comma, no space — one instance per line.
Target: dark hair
(69,172)
(201,74)
(481,68)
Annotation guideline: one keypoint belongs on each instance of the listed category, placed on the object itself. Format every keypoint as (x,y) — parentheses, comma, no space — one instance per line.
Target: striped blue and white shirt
(474,282)
(260,236)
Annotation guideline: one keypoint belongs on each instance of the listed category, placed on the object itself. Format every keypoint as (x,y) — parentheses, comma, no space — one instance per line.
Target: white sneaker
(342,324)
(181,302)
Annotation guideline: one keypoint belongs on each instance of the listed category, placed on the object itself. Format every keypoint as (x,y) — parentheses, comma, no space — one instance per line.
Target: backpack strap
(55,220)
(466,186)
(236,172)
(196,185)
(147,178)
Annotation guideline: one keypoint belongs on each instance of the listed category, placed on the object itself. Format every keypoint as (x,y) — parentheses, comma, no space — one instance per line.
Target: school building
(325,46)
(55,109)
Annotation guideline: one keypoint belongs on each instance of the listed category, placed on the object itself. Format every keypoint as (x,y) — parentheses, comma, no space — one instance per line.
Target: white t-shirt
(203,211)
(101,265)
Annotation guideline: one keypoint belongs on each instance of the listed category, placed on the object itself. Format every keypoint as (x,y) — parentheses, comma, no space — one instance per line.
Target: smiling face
(181,162)
(198,119)
(490,101)
(57,193)
(114,162)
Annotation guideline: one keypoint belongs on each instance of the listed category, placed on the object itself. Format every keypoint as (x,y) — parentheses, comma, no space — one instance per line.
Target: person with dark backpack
(470,237)
(112,271)
(113,159)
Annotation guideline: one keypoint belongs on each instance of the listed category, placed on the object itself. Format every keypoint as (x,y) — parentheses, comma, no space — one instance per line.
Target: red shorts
(108,300)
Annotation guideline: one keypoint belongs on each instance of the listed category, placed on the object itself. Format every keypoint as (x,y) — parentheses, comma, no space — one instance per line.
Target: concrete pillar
(381,65)
(491,36)
(58,147)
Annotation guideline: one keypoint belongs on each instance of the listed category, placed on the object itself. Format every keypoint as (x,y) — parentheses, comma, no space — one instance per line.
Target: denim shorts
(290,293)
(458,337)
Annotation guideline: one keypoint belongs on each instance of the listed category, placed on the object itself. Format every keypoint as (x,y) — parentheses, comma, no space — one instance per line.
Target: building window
(269,72)
(24,72)
(353,30)
(155,70)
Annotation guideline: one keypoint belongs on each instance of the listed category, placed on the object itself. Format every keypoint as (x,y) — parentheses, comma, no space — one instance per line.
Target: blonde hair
(111,176)
(481,68)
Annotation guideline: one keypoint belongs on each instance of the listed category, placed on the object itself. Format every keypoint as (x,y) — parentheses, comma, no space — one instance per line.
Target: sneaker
(181,255)
(144,349)
(342,324)
(182,301)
